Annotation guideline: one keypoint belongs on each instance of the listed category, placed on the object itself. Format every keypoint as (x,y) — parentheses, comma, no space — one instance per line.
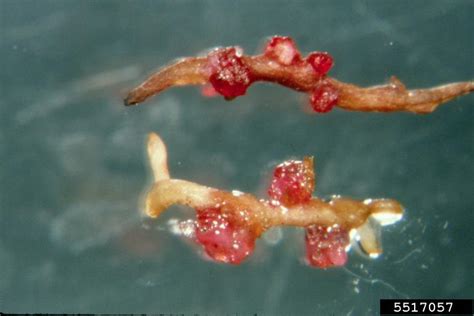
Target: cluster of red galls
(222,237)
(224,240)
(231,77)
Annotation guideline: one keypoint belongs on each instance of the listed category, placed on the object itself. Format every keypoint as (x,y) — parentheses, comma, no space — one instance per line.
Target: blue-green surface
(72,159)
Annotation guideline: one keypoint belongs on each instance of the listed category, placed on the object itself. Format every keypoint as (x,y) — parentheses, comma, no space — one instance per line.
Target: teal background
(73,165)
